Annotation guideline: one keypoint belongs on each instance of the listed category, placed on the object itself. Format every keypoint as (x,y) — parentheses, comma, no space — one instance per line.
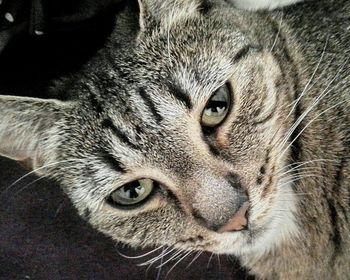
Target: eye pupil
(131,191)
(216,106)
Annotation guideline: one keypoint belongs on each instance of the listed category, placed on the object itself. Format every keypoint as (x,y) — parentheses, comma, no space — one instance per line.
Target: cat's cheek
(222,138)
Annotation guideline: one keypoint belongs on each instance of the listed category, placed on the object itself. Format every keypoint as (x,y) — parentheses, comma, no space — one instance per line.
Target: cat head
(177,139)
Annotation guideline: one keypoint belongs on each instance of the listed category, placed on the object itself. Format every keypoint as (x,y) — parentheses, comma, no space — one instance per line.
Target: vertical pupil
(132,191)
(215,105)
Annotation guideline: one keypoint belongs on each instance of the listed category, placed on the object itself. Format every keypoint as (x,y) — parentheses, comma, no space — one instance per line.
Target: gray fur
(134,113)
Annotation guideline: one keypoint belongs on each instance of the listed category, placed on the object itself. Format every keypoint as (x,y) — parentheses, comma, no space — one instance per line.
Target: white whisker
(278,33)
(194,259)
(188,253)
(140,256)
(35,170)
(210,258)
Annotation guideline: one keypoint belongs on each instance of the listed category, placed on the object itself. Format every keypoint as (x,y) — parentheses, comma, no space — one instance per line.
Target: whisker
(160,268)
(304,90)
(297,179)
(218,258)
(309,109)
(188,253)
(35,170)
(179,253)
(194,259)
(310,168)
(278,33)
(139,256)
(299,174)
(158,257)
(306,126)
(210,258)
(302,163)
(27,186)
(311,78)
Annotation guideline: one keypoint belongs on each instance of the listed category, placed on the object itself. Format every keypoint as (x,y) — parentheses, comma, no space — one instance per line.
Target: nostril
(238,222)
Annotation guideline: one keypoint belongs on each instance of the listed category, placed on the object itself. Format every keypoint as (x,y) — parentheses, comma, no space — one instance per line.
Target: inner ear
(28,128)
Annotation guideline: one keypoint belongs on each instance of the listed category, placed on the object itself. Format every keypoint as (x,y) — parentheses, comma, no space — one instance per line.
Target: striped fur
(135,113)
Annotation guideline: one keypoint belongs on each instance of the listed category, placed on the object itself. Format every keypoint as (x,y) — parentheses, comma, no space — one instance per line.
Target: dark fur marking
(112,162)
(107,123)
(214,150)
(180,95)
(95,104)
(339,178)
(269,183)
(205,6)
(336,236)
(235,181)
(86,214)
(199,218)
(244,52)
(268,117)
(339,174)
(148,101)
(259,180)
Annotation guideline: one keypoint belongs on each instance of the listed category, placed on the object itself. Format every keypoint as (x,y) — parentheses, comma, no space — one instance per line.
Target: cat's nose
(225,209)
(239,221)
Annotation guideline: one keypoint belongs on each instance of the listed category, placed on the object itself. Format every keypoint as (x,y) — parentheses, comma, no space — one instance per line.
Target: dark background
(41,236)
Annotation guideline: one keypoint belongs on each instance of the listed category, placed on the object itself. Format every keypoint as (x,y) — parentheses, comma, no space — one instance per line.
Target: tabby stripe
(336,237)
(95,104)
(245,51)
(112,162)
(180,95)
(271,114)
(148,101)
(339,178)
(86,214)
(107,123)
(205,6)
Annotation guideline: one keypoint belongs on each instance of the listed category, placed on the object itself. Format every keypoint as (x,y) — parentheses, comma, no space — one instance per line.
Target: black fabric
(41,17)
(49,15)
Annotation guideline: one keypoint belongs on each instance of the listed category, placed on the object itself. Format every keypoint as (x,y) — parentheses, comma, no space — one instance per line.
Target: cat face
(177,141)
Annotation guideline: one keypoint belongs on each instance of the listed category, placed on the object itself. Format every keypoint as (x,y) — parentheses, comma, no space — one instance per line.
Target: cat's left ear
(153,12)
(28,127)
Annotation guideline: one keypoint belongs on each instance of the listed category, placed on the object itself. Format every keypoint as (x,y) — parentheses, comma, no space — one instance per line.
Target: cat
(212,129)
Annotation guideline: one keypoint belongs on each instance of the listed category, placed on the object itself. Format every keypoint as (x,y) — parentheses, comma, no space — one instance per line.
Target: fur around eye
(217,107)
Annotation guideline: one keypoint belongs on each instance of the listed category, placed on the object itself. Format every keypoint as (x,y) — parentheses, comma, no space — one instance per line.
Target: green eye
(217,107)
(132,193)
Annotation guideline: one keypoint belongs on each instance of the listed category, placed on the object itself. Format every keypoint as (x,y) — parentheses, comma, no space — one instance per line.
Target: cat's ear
(153,12)
(25,127)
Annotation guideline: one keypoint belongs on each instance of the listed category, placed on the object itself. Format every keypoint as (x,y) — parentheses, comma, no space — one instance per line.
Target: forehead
(196,56)
(193,43)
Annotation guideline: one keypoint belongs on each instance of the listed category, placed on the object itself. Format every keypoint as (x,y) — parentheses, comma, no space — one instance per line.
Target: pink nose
(238,222)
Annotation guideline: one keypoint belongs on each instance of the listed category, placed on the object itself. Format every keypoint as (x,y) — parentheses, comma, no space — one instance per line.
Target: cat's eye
(217,107)
(132,193)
